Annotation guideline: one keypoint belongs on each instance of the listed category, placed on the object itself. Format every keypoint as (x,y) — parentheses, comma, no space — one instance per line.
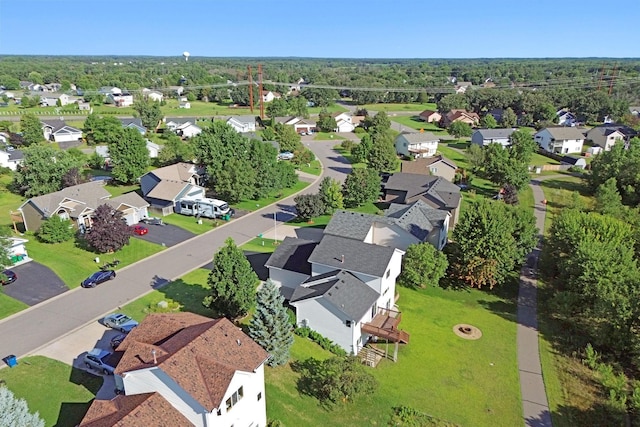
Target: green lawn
(314,168)
(61,394)
(325,136)
(9,202)
(411,122)
(118,190)
(539,160)
(260,245)
(253,205)
(73,264)
(333,108)
(472,383)
(347,155)
(190,223)
(9,306)
(400,107)
(559,193)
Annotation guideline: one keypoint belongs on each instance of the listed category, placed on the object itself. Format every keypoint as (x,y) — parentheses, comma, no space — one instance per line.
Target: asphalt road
(25,332)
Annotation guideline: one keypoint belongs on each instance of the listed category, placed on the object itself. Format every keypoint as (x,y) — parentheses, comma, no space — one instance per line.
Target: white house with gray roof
(560,140)
(484,137)
(341,287)
(417,144)
(242,124)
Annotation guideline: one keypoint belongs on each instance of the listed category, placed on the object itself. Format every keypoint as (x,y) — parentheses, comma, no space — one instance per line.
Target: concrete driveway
(36,283)
(167,234)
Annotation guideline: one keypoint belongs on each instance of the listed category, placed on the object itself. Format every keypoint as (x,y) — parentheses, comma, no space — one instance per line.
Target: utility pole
(250,89)
(613,79)
(601,75)
(260,91)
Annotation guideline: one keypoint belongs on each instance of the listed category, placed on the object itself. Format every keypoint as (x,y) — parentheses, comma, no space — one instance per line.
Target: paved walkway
(534,397)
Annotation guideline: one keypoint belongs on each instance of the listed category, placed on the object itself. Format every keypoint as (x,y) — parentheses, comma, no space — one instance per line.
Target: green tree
(490,241)
(460,130)
(608,199)
(488,122)
(55,230)
(9,82)
(234,181)
(288,138)
(129,156)
(621,164)
(326,122)
(501,167)
(277,108)
(509,118)
(14,412)
(309,206)
(233,282)
(522,146)
(174,150)
(476,156)
(361,186)
(101,130)
(422,265)
(149,112)
(382,156)
(298,106)
(337,379)
(36,77)
(270,326)
(331,193)
(31,128)
(360,151)
(109,231)
(452,101)
(42,170)
(381,122)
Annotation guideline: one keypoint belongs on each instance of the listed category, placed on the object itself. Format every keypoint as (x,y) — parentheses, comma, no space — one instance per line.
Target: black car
(8,276)
(98,277)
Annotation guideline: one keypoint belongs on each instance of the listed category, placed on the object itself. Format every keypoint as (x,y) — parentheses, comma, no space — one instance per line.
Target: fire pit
(468,332)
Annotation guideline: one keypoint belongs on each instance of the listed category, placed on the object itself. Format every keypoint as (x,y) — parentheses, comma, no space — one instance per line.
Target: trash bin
(11,360)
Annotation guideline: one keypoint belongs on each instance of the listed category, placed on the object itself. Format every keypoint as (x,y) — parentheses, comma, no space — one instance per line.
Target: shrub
(324,342)
(347,145)
(55,230)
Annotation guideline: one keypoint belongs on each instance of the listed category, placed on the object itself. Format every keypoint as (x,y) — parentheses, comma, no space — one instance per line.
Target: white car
(285,155)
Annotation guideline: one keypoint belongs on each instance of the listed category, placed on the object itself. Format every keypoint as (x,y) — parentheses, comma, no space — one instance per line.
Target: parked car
(8,276)
(285,155)
(98,277)
(117,340)
(152,220)
(140,230)
(98,359)
(120,322)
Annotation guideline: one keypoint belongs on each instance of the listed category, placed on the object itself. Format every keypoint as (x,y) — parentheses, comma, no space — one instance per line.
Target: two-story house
(242,124)
(183,369)
(605,137)
(162,187)
(560,140)
(484,137)
(417,144)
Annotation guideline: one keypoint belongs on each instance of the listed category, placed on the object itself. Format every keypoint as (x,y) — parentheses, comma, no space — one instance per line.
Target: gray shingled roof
(433,188)
(353,225)
(292,254)
(90,194)
(131,199)
(418,137)
(343,290)
(565,132)
(352,255)
(244,119)
(495,133)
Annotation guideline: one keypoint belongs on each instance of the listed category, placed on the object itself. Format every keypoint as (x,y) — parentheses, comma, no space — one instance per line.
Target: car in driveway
(285,155)
(117,340)
(120,322)
(140,230)
(8,276)
(98,359)
(98,277)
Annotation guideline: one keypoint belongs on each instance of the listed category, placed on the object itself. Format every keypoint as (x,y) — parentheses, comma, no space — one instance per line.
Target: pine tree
(232,282)
(270,325)
(15,412)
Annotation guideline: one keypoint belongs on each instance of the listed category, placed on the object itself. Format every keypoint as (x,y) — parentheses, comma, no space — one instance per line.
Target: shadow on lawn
(561,184)
(597,415)
(71,413)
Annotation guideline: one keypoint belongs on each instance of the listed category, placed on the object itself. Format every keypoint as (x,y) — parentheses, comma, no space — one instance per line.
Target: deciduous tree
(488,121)
(422,265)
(309,205)
(129,156)
(331,194)
(31,129)
(460,130)
(109,231)
(509,118)
(361,186)
(101,130)
(149,112)
(42,170)
(270,326)
(326,122)
(233,282)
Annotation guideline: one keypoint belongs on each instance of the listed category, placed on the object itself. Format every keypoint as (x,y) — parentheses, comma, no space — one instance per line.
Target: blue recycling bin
(11,360)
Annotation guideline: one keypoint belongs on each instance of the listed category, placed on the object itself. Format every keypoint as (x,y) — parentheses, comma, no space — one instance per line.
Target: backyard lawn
(61,394)
(253,205)
(400,107)
(411,122)
(326,136)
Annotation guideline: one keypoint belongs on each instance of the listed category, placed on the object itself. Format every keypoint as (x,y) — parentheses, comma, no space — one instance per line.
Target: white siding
(249,411)
(327,320)
(390,235)
(286,278)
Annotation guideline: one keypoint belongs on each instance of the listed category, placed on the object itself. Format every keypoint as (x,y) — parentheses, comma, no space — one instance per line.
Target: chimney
(155,361)
(342,259)
(239,343)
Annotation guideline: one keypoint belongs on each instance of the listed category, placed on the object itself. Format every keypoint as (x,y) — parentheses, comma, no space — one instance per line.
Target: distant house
(184,127)
(417,144)
(134,123)
(437,192)
(344,122)
(268,96)
(560,140)
(77,203)
(123,99)
(153,95)
(59,131)
(299,124)
(183,369)
(635,111)
(17,251)
(464,116)
(84,106)
(566,117)
(184,104)
(484,137)
(574,161)
(605,137)
(462,87)
(162,187)
(242,124)
(153,148)
(11,158)
(436,166)
(430,116)
(51,99)
(106,90)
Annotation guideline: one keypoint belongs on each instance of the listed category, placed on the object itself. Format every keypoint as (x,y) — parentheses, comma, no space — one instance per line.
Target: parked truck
(204,208)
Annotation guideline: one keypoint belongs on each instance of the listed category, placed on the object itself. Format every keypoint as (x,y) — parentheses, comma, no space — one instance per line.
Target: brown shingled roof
(199,353)
(139,410)
(176,172)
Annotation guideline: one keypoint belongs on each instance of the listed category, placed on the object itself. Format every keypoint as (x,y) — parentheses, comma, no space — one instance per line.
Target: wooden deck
(385,325)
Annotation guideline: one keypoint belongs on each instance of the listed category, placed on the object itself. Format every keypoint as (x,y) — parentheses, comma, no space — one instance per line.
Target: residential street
(25,332)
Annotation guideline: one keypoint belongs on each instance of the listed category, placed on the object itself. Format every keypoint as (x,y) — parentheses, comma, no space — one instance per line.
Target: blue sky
(322,28)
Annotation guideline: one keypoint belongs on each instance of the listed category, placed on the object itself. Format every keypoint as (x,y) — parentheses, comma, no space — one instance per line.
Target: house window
(433,170)
(388,273)
(259,396)
(348,323)
(235,398)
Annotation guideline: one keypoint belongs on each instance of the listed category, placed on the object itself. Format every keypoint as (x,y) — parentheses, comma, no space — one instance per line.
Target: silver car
(98,359)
